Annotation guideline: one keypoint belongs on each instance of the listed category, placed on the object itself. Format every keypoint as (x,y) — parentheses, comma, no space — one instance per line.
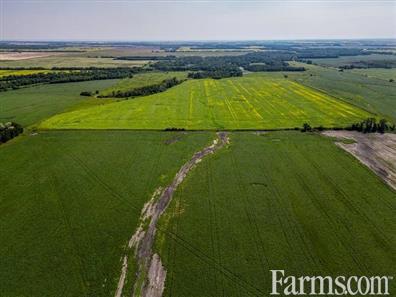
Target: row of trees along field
(142,91)
(63,76)
(386,64)
(369,125)
(9,130)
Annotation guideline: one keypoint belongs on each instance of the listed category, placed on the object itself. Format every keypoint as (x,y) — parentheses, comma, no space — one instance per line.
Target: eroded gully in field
(151,274)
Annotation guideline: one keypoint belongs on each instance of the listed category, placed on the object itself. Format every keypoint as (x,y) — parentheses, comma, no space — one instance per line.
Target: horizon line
(199,40)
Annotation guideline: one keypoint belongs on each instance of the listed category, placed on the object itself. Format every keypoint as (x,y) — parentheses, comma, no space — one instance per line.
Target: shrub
(9,130)
(306,128)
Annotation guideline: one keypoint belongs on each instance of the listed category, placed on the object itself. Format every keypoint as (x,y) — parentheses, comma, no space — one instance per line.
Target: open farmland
(257,101)
(142,80)
(4,72)
(18,56)
(150,51)
(70,201)
(71,60)
(33,104)
(375,150)
(279,200)
(346,60)
(97,200)
(381,73)
(370,93)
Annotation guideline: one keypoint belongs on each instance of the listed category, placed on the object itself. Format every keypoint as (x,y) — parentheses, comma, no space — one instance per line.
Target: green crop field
(257,101)
(346,60)
(93,191)
(70,201)
(279,200)
(372,94)
(380,73)
(33,104)
(142,80)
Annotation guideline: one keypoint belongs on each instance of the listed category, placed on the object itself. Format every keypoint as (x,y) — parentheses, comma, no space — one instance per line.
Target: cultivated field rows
(251,102)
(275,200)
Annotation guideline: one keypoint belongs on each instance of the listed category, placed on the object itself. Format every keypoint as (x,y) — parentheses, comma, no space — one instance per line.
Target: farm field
(345,60)
(70,201)
(30,105)
(97,200)
(156,51)
(372,94)
(4,72)
(142,80)
(25,55)
(256,101)
(279,200)
(71,60)
(385,74)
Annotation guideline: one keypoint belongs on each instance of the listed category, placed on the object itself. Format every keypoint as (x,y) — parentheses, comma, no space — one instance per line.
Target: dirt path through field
(376,151)
(151,274)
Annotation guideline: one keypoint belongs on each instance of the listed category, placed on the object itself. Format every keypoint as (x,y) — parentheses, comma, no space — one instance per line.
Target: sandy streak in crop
(149,263)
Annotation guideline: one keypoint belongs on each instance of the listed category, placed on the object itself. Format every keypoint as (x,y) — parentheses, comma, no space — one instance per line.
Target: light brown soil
(156,278)
(151,274)
(15,56)
(376,151)
(121,281)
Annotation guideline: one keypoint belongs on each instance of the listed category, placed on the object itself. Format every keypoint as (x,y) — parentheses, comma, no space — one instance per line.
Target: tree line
(143,91)
(216,73)
(371,125)
(386,64)
(9,130)
(17,81)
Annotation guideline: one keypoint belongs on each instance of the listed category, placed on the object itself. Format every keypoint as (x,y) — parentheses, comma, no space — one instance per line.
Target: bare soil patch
(376,151)
(15,56)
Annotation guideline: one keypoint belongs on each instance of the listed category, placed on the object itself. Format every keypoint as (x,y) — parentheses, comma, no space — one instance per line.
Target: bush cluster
(371,125)
(9,130)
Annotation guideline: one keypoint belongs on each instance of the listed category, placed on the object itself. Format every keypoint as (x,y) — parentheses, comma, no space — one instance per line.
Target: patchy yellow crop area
(258,101)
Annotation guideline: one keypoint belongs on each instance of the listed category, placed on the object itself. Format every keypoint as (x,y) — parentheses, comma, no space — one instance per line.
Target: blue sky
(195,20)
